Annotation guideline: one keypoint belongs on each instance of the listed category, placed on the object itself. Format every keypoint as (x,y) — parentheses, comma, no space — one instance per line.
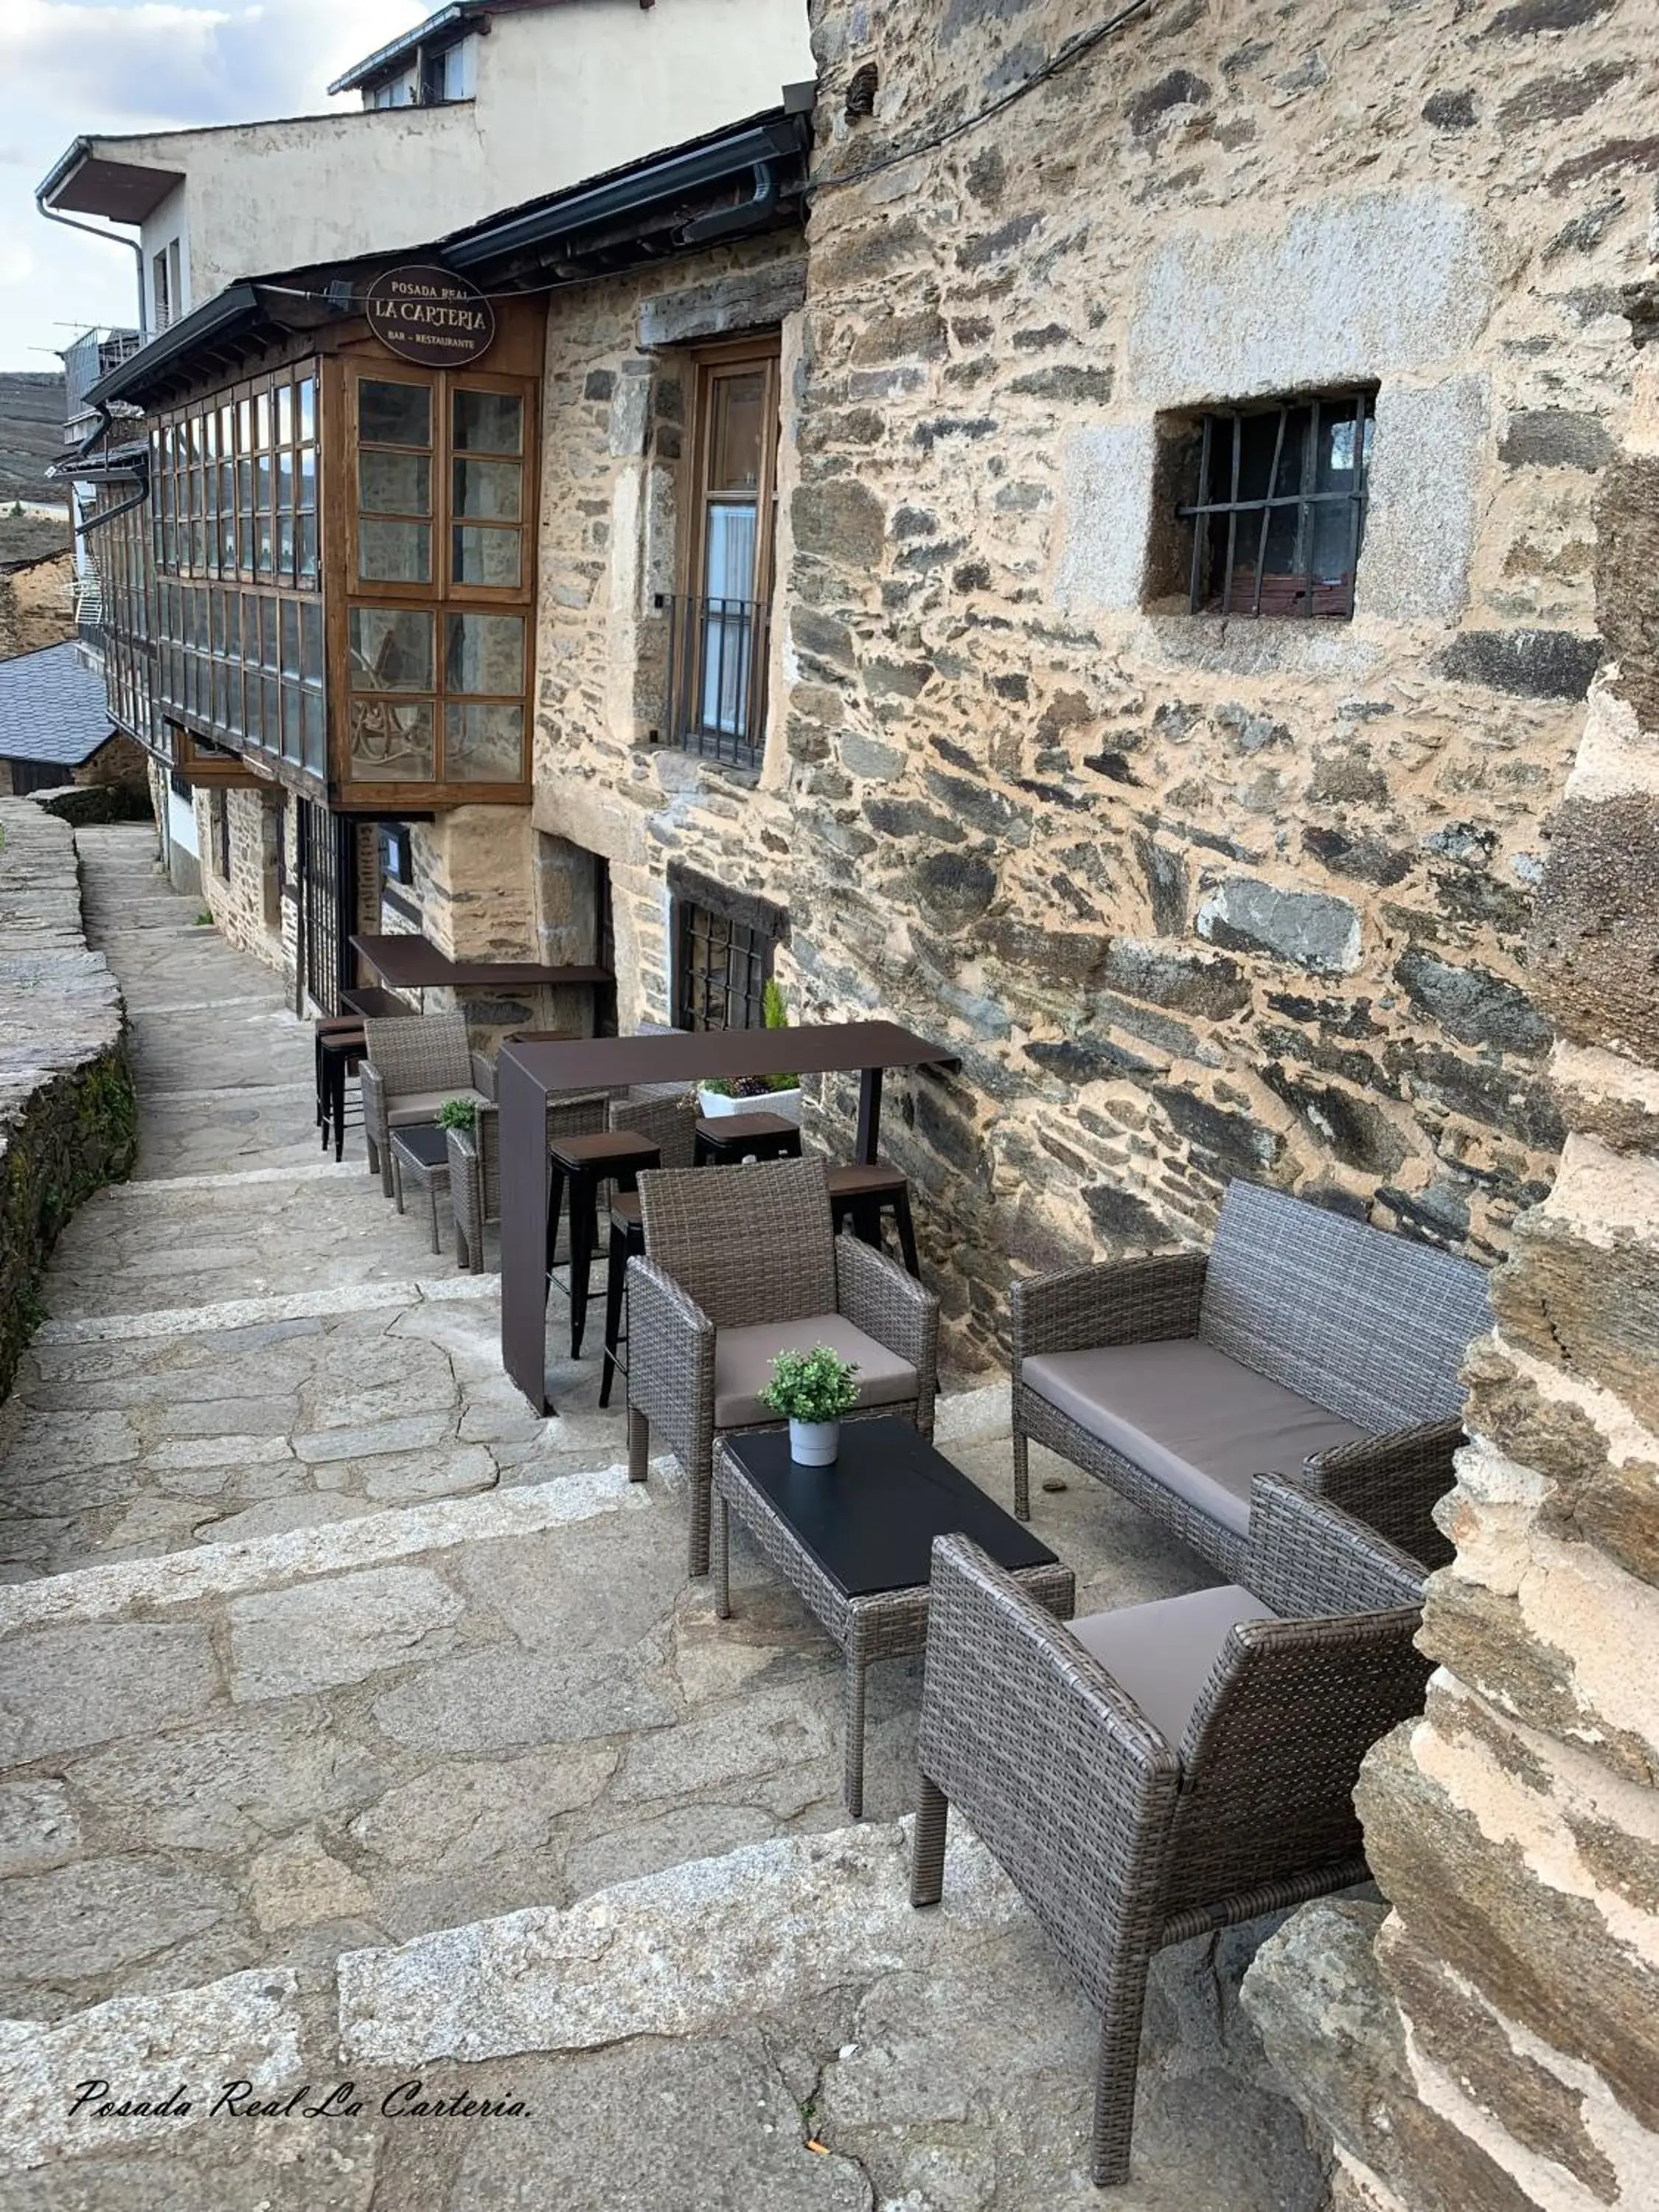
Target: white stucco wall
(563,93)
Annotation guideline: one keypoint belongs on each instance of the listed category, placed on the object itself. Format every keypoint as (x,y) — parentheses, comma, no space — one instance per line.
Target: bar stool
(337,1048)
(608,1156)
(862,1195)
(729,1138)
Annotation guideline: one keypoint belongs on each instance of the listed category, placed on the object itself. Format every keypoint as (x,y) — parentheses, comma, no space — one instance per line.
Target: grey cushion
(743,1363)
(1162,1653)
(1189,1415)
(413,1106)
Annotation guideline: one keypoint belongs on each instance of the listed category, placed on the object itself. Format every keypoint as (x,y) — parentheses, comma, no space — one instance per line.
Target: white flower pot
(814,1443)
(714,1104)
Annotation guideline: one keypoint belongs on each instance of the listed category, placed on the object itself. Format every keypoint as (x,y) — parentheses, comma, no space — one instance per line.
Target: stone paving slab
(272,1704)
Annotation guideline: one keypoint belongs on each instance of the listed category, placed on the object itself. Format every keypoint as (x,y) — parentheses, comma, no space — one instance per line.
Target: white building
(486,103)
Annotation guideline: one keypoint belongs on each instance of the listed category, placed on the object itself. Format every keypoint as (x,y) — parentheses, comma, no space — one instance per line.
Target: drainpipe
(743,216)
(135,246)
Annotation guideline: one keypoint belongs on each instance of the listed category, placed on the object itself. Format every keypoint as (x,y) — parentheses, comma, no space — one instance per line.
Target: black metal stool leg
(583,1235)
(336,1087)
(615,1284)
(907,1230)
(555,1201)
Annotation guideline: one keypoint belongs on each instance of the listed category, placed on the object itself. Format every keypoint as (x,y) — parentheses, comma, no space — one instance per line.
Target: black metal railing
(714,693)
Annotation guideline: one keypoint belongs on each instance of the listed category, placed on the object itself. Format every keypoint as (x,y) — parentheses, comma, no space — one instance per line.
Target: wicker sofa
(1158,1772)
(412,1067)
(1304,1344)
(740,1263)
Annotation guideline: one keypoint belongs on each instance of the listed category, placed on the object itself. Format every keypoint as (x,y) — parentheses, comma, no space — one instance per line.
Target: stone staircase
(359,1728)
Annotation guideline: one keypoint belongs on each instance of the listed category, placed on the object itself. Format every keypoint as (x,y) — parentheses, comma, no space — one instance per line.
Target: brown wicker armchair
(412,1067)
(741,1263)
(475,1157)
(1304,1344)
(1151,1774)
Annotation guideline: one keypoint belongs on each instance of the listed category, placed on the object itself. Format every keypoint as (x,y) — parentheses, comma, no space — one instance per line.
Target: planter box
(786,1104)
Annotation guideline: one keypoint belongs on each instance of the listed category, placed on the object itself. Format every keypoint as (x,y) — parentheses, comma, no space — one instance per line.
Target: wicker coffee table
(421,1152)
(854,1542)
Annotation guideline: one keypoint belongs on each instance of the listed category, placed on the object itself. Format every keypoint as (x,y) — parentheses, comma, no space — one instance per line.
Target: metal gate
(327,858)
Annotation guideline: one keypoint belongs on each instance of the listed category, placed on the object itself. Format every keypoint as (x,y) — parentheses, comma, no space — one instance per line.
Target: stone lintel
(745,300)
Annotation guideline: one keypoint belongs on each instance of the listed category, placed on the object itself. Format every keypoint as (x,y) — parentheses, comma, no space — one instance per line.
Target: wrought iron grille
(1280,514)
(715,698)
(720,971)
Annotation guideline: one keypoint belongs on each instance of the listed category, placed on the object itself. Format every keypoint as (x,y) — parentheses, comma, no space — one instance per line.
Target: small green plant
(818,1385)
(205,917)
(457,1114)
(775,1015)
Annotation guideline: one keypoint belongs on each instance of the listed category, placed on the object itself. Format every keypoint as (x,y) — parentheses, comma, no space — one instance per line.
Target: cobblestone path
(319,1653)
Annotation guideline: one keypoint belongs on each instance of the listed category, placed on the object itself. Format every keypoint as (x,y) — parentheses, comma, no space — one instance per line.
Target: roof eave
(388,57)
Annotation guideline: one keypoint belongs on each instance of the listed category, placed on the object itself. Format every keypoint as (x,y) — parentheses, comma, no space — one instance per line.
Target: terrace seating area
(539,1702)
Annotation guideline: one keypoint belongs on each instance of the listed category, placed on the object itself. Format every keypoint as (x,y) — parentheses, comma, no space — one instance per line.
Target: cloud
(166,62)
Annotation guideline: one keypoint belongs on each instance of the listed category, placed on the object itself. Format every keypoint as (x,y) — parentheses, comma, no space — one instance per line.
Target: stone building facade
(1194,896)
(1494,2043)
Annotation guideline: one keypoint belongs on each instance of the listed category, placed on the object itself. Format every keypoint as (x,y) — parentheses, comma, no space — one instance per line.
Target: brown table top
(411,963)
(814,1048)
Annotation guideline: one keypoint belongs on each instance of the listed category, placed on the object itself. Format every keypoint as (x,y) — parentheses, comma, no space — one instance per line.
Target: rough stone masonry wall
(1499,2048)
(67,1118)
(1196,898)
(241,904)
(615,441)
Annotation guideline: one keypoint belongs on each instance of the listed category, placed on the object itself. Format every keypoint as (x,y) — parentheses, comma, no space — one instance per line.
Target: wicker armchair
(412,1067)
(1158,1772)
(1304,1344)
(741,1263)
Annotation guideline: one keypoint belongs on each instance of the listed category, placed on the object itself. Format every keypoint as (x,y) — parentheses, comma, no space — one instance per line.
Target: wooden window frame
(440,597)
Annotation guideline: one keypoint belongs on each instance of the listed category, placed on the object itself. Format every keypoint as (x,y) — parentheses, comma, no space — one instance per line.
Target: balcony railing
(92,356)
(714,698)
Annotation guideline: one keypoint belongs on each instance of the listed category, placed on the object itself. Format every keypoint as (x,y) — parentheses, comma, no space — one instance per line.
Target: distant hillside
(31,433)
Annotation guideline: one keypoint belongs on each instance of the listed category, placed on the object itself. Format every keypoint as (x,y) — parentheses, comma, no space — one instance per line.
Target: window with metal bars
(721,967)
(1281,514)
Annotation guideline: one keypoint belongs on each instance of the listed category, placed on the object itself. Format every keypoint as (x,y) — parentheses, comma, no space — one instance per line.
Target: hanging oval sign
(426,314)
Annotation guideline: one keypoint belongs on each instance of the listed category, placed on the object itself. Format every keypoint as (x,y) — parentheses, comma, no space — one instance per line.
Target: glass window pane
(290,610)
(392,742)
(262,421)
(487,491)
(737,409)
(308,475)
(268,633)
(285,483)
(308,407)
(394,483)
(269,695)
(393,414)
(285,544)
(311,735)
(226,432)
(487,556)
(482,743)
(244,426)
(285,414)
(308,545)
(487,423)
(390,649)
(262,481)
(483,653)
(394,552)
(311,641)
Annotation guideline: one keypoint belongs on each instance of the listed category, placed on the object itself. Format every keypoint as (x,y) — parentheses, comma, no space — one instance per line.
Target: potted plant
(457,1114)
(744,1094)
(812,1390)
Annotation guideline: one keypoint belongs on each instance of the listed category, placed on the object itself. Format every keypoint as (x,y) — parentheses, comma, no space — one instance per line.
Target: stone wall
(614,448)
(245,904)
(1494,2043)
(1196,898)
(67,1118)
(36,603)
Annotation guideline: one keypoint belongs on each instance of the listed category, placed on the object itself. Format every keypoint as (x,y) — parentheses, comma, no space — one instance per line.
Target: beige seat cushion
(1190,1417)
(413,1106)
(743,1365)
(1162,1653)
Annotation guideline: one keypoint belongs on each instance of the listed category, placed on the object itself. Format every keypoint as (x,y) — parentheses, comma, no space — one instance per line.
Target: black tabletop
(870,1519)
(423,1141)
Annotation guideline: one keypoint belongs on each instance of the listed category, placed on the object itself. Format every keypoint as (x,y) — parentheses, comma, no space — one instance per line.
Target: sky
(70,71)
